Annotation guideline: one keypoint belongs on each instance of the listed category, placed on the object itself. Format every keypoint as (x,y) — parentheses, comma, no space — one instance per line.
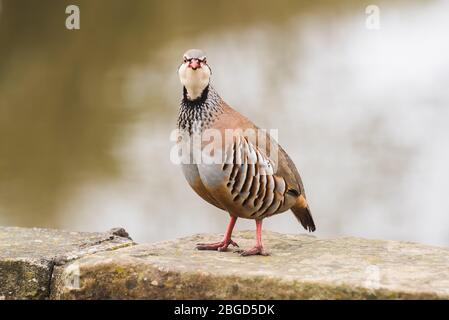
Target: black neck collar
(196,102)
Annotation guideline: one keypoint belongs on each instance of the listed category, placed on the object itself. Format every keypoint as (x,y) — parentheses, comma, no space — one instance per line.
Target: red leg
(222,245)
(258,249)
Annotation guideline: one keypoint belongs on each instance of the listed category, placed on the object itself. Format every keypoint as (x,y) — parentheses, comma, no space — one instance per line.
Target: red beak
(194,64)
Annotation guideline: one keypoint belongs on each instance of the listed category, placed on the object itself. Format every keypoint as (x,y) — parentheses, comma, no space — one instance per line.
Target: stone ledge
(28,256)
(42,264)
(300,267)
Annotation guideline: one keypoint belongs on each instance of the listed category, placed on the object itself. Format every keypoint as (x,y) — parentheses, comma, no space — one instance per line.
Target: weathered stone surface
(28,256)
(300,267)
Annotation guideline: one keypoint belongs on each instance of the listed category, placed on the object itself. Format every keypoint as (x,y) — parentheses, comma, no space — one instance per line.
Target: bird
(247,181)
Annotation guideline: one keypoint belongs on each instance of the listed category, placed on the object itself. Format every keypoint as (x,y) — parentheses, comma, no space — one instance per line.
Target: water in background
(85,116)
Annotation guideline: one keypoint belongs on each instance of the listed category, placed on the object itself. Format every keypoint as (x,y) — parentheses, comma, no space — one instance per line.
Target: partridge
(230,162)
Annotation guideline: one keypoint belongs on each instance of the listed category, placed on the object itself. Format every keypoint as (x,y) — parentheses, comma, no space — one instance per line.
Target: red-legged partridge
(233,166)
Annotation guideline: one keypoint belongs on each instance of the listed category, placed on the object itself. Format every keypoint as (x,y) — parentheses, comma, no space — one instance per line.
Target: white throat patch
(195,81)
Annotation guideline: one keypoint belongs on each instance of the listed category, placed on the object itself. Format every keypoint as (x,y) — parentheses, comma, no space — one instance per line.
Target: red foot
(219,246)
(257,250)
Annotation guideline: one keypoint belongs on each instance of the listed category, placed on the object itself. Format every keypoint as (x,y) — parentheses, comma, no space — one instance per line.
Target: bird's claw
(233,243)
(219,246)
(257,250)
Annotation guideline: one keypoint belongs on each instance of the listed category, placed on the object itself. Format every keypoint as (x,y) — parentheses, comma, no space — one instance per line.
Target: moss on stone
(28,256)
(42,264)
(300,267)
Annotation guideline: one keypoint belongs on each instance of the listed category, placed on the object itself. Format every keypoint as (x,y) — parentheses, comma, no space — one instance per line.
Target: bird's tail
(302,213)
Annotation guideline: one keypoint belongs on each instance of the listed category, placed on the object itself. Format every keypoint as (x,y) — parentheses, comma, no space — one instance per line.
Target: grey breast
(192,176)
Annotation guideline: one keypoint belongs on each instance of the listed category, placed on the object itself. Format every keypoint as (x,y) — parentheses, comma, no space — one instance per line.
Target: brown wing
(284,166)
(245,184)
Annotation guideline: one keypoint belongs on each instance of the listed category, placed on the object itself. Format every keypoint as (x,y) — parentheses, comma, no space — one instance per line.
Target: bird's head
(194,73)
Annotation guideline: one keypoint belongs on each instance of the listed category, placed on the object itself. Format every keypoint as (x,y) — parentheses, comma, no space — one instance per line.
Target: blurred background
(85,115)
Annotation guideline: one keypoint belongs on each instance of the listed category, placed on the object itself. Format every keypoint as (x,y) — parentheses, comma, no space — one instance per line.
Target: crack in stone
(50,280)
